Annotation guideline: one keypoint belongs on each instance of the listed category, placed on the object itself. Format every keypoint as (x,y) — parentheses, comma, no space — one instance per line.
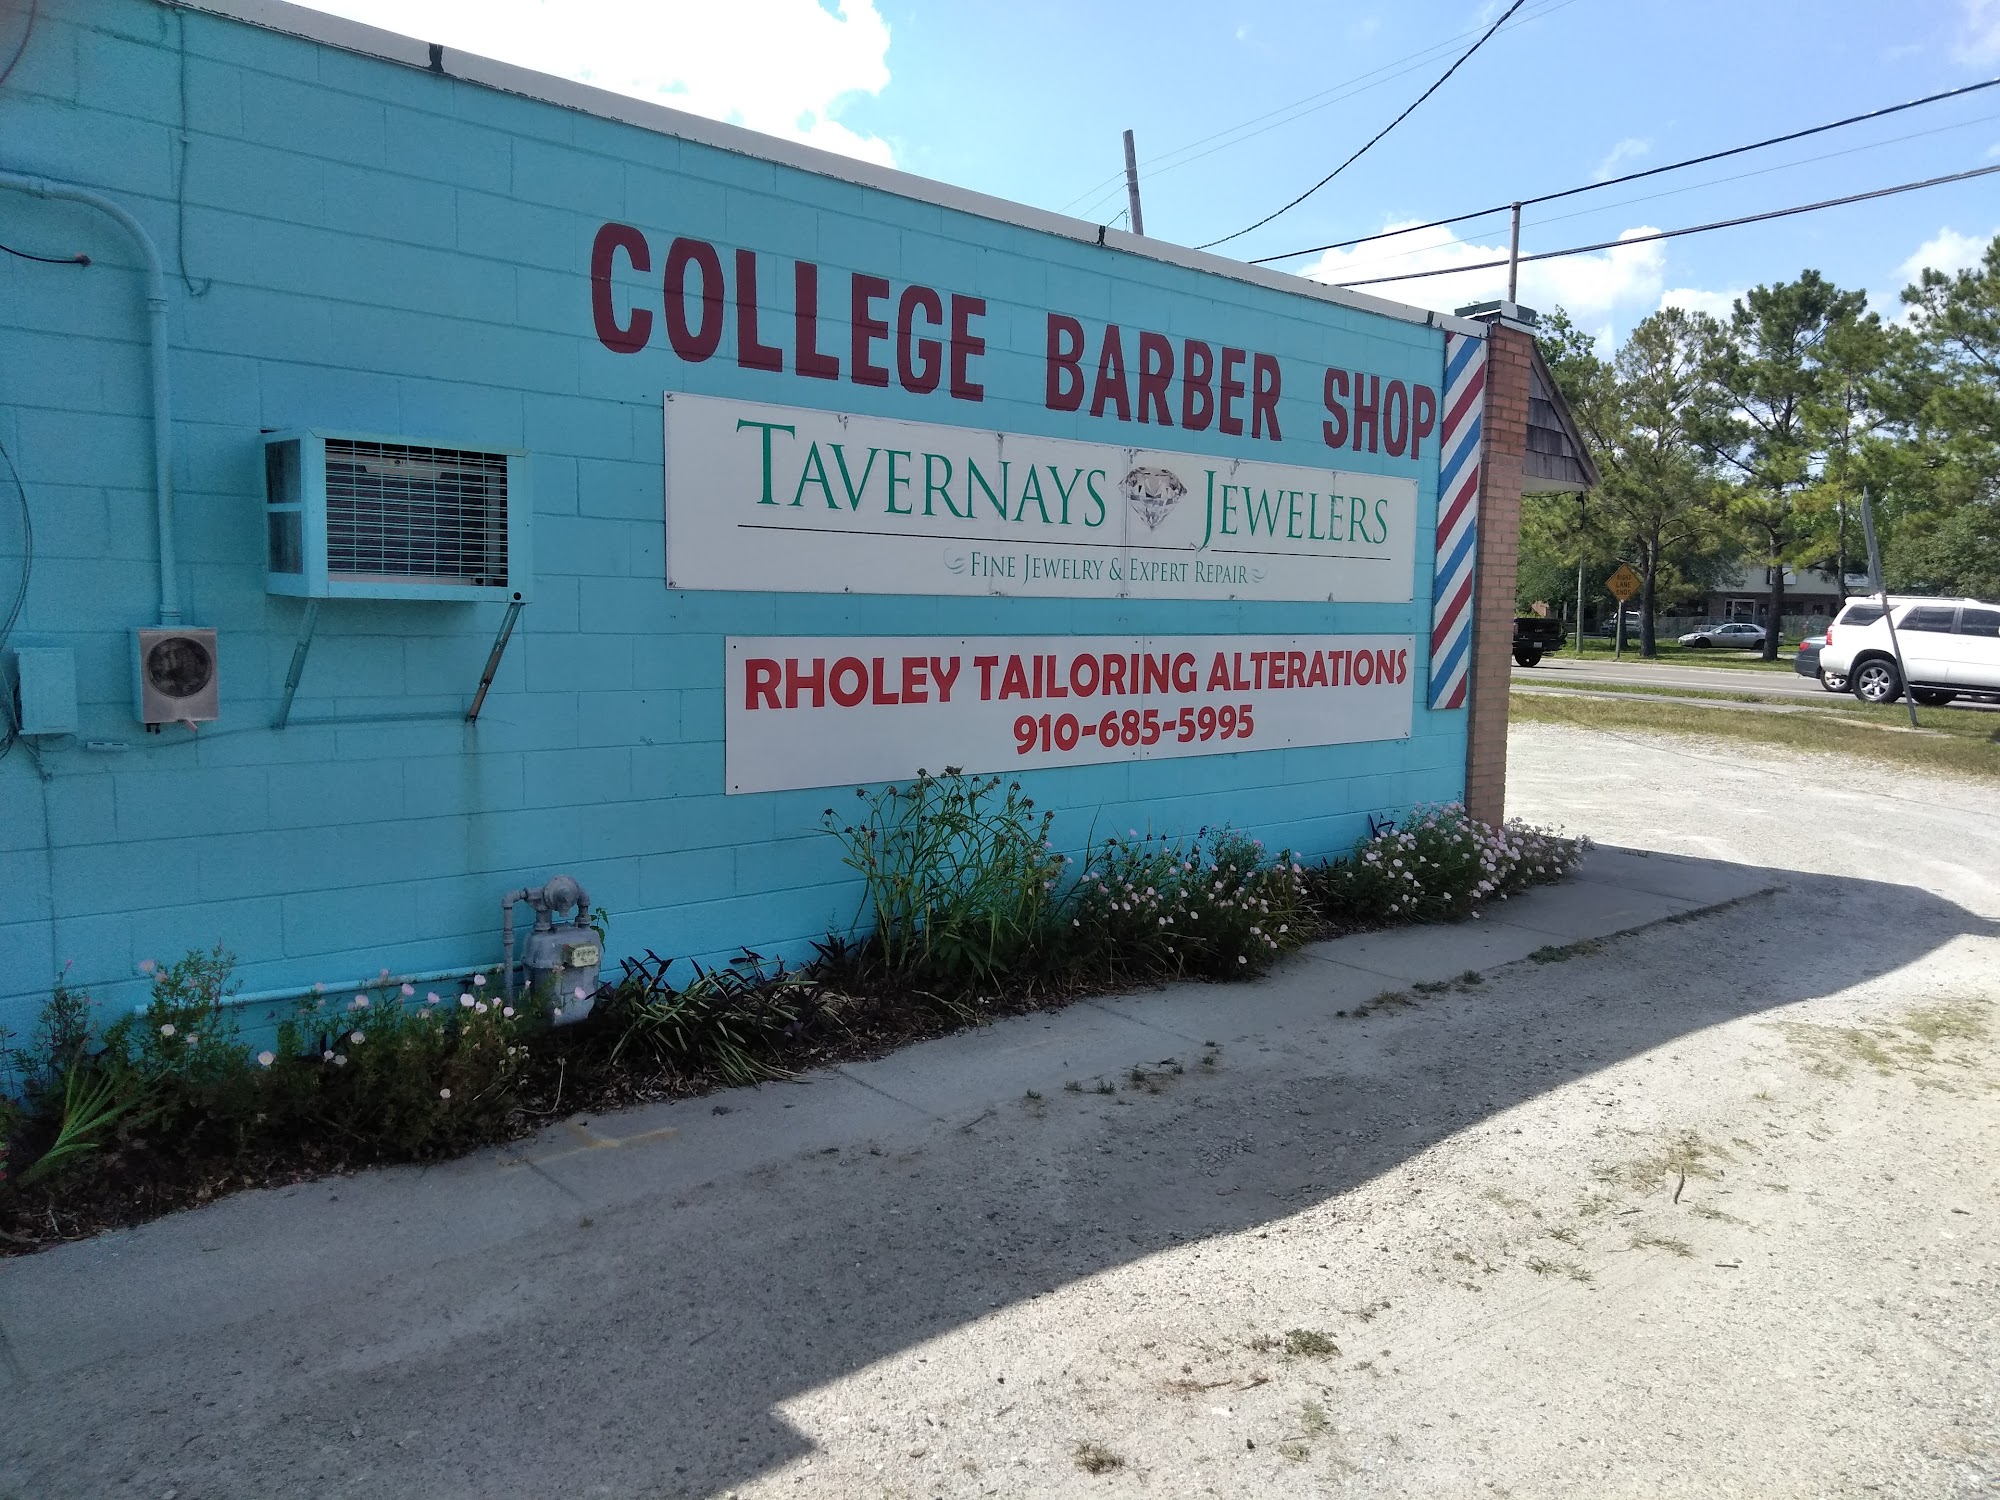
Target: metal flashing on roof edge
(388,46)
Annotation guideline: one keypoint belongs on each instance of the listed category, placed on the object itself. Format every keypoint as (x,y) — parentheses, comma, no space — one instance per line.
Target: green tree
(1658,495)
(1937,478)
(1773,426)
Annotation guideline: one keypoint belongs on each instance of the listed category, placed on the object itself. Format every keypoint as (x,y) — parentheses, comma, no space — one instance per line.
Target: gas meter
(560,960)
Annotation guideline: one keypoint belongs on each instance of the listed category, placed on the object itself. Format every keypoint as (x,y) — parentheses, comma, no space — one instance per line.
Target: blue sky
(1027,99)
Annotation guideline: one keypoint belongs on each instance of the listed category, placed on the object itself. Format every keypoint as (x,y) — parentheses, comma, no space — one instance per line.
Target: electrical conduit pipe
(156,329)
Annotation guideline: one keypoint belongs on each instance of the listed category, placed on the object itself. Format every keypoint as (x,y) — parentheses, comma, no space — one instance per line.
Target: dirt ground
(1708,1209)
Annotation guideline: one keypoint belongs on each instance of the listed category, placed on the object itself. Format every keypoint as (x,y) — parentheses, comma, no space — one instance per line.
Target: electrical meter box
(176,680)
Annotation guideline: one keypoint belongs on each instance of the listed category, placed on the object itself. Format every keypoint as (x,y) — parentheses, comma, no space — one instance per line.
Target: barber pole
(1458,520)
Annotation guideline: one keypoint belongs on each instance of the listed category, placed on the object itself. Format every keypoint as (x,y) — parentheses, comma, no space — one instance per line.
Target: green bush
(1437,865)
(731,1023)
(394,1077)
(959,879)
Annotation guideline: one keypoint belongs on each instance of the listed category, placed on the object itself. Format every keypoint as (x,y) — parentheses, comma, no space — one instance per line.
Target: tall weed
(959,878)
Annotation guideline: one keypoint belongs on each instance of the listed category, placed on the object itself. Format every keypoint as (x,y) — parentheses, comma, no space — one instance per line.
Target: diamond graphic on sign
(1153,493)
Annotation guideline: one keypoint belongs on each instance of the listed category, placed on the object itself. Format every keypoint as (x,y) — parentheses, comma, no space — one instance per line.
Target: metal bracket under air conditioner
(310,624)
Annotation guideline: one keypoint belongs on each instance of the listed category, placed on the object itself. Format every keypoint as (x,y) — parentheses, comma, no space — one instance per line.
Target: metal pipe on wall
(156,331)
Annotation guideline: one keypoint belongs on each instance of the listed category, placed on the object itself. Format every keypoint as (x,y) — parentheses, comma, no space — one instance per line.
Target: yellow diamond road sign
(1624,583)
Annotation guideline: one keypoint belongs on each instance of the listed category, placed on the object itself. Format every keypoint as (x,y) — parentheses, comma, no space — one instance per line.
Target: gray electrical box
(46,680)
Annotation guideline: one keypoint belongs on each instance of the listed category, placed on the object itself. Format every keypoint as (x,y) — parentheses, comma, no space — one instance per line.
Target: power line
(1591,187)
(1286,114)
(1390,258)
(1674,234)
(1287,208)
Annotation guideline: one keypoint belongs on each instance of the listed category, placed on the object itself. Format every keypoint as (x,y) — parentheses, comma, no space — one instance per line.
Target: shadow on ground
(645,1346)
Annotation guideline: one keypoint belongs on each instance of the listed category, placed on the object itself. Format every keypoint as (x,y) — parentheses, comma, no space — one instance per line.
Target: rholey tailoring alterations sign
(831,711)
(795,500)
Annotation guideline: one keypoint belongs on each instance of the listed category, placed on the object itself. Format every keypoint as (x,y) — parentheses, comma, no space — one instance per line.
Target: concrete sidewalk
(272,1256)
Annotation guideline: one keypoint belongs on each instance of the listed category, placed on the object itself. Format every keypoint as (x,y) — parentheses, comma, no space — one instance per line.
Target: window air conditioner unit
(357,517)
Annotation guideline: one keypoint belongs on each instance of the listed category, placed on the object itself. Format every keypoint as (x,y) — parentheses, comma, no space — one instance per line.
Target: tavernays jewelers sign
(830,711)
(792,500)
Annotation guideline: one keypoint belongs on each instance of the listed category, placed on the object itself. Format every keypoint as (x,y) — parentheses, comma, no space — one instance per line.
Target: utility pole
(1132,185)
(1582,519)
(1888,614)
(1513,241)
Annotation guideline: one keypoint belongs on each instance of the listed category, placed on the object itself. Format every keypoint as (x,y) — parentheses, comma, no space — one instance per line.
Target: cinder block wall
(1504,432)
(374,247)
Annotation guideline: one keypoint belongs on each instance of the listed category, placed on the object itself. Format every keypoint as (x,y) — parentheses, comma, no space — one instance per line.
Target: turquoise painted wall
(372,247)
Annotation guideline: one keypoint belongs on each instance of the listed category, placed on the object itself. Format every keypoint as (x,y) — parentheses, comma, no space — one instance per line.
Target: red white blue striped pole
(1458,519)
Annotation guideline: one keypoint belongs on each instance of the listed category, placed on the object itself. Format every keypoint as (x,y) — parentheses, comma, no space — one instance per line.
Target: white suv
(1949,646)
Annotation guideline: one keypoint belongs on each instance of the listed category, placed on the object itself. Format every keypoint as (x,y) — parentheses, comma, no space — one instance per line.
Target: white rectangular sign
(833,711)
(795,500)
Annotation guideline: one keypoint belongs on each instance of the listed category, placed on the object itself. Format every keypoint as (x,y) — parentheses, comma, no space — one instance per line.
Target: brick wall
(1505,435)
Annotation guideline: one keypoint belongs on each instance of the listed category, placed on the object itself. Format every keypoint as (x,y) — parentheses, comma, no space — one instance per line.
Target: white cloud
(1588,287)
(1946,251)
(1694,299)
(780,66)
(1979,39)
(1629,149)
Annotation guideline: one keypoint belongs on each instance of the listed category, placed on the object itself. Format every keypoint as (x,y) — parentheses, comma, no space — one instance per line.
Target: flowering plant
(1150,906)
(411,1076)
(1438,864)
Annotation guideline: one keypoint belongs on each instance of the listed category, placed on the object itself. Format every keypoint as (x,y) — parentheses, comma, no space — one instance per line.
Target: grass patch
(1095,1458)
(1542,1266)
(1683,1155)
(1555,953)
(1905,1045)
(1967,744)
(1666,1242)
(1309,1343)
(1673,653)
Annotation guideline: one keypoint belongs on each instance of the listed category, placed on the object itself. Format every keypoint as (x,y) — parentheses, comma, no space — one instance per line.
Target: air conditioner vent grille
(396,511)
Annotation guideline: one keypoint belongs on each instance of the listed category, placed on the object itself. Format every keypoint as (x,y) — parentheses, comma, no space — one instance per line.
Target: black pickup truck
(1534,637)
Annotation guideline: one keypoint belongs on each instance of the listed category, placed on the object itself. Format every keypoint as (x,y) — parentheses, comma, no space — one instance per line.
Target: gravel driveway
(1708,1209)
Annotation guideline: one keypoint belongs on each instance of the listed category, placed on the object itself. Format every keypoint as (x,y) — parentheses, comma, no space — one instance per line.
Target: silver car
(1736,633)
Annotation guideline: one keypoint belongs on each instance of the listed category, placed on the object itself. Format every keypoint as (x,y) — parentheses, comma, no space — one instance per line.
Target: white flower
(466,1001)
(479,979)
(507,1011)
(359,1002)
(431,998)
(409,990)
(444,1093)
(480,1008)
(147,966)
(1241,959)
(356,1037)
(326,1057)
(340,1059)
(578,992)
(167,1029)
(555,1011)
(192,1039)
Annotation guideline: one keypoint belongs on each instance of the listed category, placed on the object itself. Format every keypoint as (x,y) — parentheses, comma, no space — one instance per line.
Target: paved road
(1555,671)
(1558,672)
(1708,1210)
